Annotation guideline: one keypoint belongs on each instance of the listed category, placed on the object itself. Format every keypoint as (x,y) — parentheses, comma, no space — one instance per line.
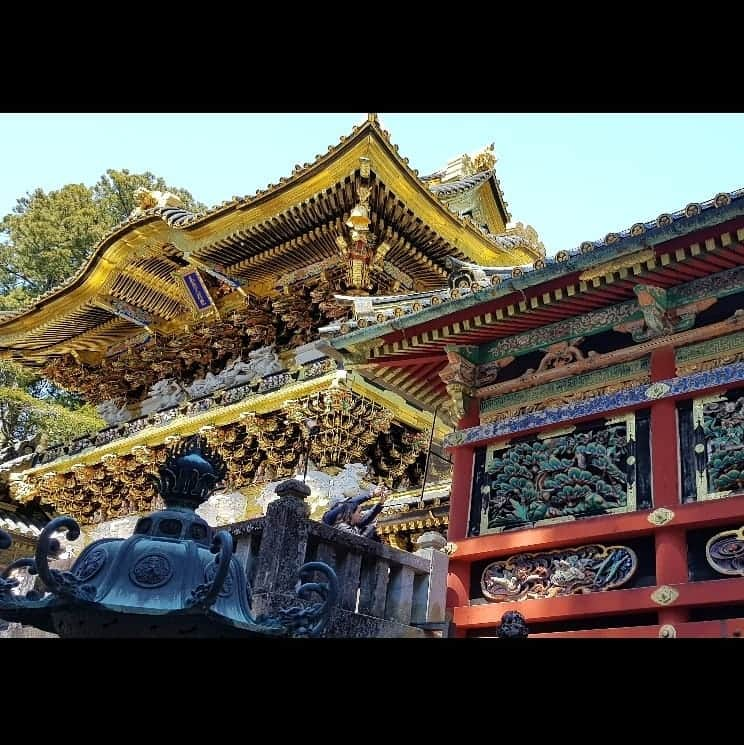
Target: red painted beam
(637,600)
(699,236)
(726,627)
(599,529)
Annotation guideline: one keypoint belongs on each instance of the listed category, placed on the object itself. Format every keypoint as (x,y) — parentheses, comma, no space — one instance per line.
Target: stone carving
(577,474)
(725,552)
(591,568)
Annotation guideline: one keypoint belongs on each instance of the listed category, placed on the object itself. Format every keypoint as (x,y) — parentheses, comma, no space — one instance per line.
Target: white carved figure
(112,413)
(146,200)
(236,373)
(162,395)
(223,508)
(325,490)
(261,362)
(203,386)
(264,361)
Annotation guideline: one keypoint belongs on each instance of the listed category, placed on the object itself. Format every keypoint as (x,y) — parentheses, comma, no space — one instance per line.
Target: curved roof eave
(198,230)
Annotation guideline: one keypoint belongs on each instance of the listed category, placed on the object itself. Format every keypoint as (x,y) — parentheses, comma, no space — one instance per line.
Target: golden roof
(256,240)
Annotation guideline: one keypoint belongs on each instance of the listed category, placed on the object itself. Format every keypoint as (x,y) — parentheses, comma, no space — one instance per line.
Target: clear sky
(574,177)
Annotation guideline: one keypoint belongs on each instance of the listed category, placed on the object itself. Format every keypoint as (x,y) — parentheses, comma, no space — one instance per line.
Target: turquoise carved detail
(563,477)
(723,423)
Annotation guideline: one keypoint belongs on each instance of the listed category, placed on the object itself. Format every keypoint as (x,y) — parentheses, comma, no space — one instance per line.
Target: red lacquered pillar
(671,542)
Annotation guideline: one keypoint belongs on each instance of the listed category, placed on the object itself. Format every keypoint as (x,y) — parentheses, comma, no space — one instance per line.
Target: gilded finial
(485,160)
(373,118)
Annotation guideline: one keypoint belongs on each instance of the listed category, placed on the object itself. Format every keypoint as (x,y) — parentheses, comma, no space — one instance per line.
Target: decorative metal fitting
(660,516)
(664,595)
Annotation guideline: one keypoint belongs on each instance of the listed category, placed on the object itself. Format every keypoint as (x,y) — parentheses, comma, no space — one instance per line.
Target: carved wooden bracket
(658,319)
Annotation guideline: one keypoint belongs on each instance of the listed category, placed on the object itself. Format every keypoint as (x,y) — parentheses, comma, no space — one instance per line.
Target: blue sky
(574,177)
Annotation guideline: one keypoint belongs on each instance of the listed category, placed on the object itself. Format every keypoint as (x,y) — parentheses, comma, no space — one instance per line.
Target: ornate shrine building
(598,480)
(218,323)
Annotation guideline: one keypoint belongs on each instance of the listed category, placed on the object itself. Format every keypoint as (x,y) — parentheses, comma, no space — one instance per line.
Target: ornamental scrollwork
(725,552)
(549,574)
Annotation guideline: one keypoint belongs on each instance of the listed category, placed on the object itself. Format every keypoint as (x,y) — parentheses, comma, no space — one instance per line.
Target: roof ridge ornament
(485,159)
(147,199)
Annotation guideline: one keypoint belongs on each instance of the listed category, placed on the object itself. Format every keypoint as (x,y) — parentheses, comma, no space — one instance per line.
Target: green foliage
(571,475)
(114,194)
(49,235)
(46,238)
(31,406)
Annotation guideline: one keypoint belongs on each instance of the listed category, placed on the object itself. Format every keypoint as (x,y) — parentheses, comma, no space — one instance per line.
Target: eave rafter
(502,313)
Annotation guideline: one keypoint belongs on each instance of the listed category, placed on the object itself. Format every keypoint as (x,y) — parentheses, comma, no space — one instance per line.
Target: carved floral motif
(549,574)
(664,595)
(660,516)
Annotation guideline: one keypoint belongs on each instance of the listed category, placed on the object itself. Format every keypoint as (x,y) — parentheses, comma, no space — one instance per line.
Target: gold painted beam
(169,289)
(190,425)
(184,426)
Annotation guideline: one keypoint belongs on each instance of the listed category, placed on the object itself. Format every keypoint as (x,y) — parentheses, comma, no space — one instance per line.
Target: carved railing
(384,591)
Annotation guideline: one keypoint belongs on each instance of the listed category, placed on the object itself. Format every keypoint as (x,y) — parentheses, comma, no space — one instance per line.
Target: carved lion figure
(146,200)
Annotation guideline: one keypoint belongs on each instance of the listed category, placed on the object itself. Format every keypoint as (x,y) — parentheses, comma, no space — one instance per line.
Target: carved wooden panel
(563,475)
